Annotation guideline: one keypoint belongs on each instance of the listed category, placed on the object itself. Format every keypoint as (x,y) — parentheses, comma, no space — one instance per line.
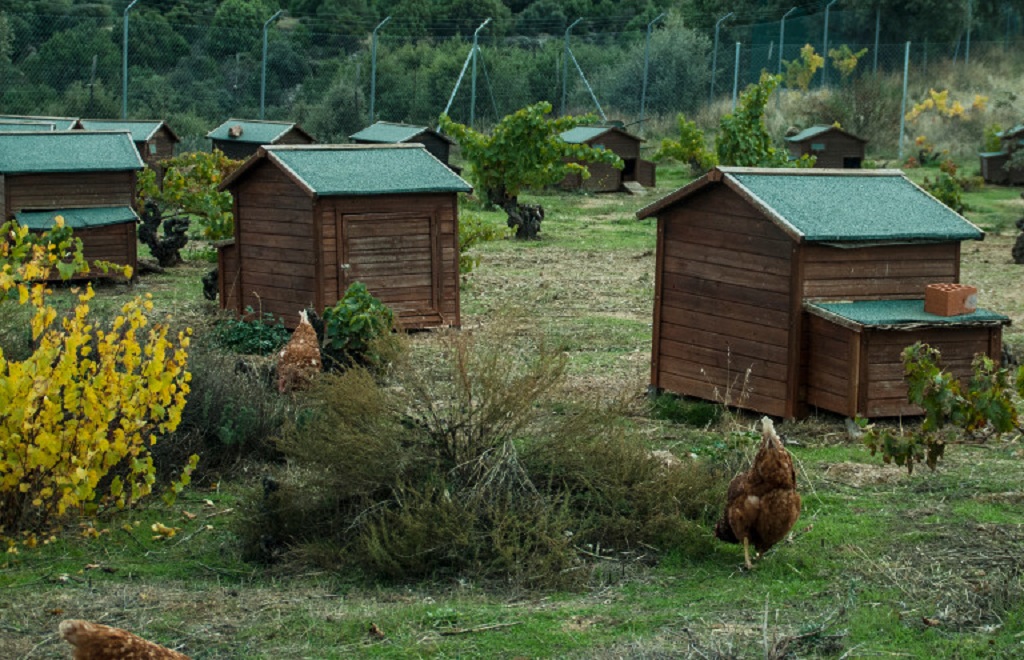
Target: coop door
(397,257)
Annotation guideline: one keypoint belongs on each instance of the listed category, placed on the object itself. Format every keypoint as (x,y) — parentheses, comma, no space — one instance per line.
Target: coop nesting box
(240,138)
(831,146)
(782,290)
(311,220)
(87,178)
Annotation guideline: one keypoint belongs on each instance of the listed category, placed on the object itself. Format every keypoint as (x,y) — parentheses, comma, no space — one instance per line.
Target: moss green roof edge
(61,123)
(77,218)
(7,126)
(68,151)
(141,130)
(391,132)
(818,129)
(356,170)
(895,313)
(582,134)
(254,131)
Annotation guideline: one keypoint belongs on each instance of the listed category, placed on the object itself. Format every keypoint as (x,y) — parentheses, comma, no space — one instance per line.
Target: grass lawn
(881,563)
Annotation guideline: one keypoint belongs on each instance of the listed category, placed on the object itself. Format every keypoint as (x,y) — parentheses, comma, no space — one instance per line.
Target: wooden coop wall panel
(275,242)
(877,273)
(228,276)
(724,304)
(69,190)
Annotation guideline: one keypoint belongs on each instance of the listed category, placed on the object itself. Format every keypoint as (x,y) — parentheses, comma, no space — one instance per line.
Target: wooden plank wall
(832,360)
(886,387)
(897,272)
(293,137)
(624,146)
(69,190)
(837,147)
(436,146)
(390,280)
(236,150)
(725,303)
(228,276)
(276,244)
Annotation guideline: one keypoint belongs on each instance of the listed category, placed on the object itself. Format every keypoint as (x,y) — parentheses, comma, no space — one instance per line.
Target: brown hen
(299,360)
(762,504)
(94,641)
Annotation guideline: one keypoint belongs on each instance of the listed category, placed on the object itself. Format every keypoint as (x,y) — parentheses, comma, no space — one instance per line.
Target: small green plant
(473,229)
(948,189)
(189,189)
(988,404)
(1015,162)
(991,141)
(252,335)
(354,328)
(800,72)
(845,60)
(743,138)
(685,411)
(690,148)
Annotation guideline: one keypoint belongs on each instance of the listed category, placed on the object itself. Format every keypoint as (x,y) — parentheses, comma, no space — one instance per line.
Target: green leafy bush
(988,404)
(473,230)
(744,140)
(252,335)
(690,148)
(355,329)
(947,189)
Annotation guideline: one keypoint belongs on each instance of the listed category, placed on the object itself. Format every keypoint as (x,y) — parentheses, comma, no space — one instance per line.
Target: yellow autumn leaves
(940,104)
(86,399)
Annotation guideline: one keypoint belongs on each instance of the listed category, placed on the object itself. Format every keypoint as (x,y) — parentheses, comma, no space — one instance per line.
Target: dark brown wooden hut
(240,138)
(994,164)
(311,220)
(385,132)
(603,177)
(781,289)
(87,178)
(833,147)
(154,140)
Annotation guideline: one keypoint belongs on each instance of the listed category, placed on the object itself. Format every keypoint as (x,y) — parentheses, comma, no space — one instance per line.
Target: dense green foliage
(354,329)
(250,334)
(744,139)
(524,151)
(691,147)
(188,189)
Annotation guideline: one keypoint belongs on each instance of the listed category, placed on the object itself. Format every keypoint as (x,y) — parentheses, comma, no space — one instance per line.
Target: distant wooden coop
(240,138)
(154,140)
(994,164)
(88,178)
(832,147)
(311,220)
(385,132)
(780,290)
(58,123)
(604,177)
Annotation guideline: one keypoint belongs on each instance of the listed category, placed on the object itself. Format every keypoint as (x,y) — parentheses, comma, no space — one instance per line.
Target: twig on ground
(466,631)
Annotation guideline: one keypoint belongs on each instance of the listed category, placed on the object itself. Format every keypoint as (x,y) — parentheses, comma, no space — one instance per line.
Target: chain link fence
(197,74)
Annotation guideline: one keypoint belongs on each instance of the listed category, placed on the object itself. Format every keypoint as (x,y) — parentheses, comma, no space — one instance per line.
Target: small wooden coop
(833,147)
(311,220)
(994,163)
(385,132)
(88,178)
(604,177)
(240,138)
(785,289)
(154,139)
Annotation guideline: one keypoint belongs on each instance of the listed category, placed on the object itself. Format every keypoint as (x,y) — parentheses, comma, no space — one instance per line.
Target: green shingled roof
(141,130)
(854,207)
(67,151)
(8,126)
(582,134)
(388,132)
(61,123)
(875,313)
(366,170)
(254,132)
(77,218)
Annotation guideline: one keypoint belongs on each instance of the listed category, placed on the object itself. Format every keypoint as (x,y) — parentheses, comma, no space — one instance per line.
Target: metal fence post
(736,77)
(373,67)
(903,107)
(124,64)
(263,69)
(647,59)
(565,65)
(824,47)
(878,28)
(782,37)
(472,87)
(714,58)
(967,47)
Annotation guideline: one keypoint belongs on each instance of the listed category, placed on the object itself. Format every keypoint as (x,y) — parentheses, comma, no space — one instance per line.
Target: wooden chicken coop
(385,132)
(88,178)
(833,147)
(604,177)
(154,140)
(311,220)
(240,138)
(993,164)
(785,289)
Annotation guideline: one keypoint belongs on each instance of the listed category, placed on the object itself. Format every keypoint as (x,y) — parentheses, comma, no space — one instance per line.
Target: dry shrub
(455,464)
